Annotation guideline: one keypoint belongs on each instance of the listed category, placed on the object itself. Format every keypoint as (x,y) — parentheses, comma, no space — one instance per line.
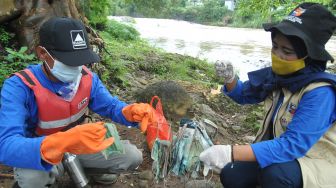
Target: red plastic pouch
(162,130)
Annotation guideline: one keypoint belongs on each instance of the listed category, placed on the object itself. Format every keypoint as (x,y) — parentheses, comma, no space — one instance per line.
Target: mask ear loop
(48,71)
(45,64)
(48,53)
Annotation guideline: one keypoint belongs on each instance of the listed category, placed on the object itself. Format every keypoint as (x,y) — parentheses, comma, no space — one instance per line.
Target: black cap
(67,40)
(312,23)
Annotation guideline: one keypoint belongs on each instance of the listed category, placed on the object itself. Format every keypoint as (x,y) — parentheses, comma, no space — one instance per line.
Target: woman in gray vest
(296,144)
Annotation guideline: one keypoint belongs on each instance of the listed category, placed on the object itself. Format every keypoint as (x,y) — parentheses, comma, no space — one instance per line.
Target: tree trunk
(26,16)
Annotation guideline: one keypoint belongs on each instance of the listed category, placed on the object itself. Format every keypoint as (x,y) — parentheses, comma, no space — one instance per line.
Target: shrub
(121,31)
(96,11)
(252,21)
(212,11)
(4,37)
(15,61)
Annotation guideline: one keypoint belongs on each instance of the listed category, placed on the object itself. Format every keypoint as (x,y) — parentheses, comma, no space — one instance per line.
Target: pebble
(199,184)
(249,138)
(143,184)
(236,127)
(146,175)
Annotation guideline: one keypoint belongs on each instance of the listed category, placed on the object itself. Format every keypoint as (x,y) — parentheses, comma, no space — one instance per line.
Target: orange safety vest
(54,113)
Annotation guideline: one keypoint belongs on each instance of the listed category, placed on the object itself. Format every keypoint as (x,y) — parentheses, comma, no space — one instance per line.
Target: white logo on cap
(294,16)
(78,39)
(294,19)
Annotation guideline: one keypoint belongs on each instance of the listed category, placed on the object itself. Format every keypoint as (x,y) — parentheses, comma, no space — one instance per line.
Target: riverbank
(246,49)
(131,65)
(247,14)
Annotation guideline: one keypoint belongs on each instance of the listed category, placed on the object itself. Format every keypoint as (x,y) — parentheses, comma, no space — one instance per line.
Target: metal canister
(75,170)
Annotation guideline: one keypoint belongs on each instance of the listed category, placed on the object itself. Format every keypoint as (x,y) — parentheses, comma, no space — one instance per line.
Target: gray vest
(318,166)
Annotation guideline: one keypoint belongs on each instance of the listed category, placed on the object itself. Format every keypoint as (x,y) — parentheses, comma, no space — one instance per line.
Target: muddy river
(247,49)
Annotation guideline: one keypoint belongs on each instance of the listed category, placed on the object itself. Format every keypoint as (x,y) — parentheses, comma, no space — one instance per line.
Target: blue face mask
(65,73)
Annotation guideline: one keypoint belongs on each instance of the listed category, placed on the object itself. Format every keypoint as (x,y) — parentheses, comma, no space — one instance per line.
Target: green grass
(254,118)
(132,55)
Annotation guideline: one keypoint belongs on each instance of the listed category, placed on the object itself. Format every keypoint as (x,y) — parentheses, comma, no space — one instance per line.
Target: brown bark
(35,12)
(8,10)
(26,16)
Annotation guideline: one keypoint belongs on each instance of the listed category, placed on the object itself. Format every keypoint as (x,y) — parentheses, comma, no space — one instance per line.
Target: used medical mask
(67,74)
(68,91)
(63,72)
(283,67)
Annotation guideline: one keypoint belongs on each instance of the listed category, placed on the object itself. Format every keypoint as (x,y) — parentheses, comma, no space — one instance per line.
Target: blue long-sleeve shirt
(18,118)
(313,117)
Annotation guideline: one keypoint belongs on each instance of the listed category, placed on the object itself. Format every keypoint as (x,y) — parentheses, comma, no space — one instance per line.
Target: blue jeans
(250,175)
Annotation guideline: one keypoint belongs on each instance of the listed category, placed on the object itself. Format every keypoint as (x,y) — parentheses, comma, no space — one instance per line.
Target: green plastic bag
(117,147)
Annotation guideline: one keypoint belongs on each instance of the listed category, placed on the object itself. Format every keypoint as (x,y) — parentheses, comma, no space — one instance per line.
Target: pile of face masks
(160,154)
(182,156)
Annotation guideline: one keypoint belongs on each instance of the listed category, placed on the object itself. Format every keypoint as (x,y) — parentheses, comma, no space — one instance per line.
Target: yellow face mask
(283,67)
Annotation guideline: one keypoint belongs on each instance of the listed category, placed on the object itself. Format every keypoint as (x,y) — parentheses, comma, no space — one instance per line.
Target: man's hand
(83,139)
(216,157)
(225,71)
(140,112)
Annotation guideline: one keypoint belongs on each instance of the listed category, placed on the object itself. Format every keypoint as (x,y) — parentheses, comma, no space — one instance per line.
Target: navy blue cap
(67,40)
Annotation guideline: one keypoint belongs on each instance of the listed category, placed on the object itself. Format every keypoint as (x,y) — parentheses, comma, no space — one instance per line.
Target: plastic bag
(117,147)
(160,131)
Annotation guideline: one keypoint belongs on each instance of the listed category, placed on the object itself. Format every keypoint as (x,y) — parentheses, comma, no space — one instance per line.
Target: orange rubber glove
(140,112)
(83,139)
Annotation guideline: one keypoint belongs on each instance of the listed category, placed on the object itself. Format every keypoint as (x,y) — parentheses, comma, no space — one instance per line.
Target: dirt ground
(227,115)
(126,180)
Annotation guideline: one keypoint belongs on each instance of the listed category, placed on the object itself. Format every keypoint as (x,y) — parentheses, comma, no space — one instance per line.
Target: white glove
(225,70)
(216,157)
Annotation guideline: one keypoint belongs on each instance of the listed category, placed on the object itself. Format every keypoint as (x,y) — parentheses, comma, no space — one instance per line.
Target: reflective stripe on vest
(62,122)
(54,113)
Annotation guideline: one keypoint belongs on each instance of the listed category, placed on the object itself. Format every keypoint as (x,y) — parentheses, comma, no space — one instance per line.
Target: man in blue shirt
(42,107)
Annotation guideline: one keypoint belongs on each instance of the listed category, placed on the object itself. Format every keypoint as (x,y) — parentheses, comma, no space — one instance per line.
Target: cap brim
(76,58)
(287,28)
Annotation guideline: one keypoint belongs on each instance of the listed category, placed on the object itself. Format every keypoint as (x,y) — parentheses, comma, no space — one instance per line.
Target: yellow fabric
(319,164)
(83,139)
(140,112)
(283,67)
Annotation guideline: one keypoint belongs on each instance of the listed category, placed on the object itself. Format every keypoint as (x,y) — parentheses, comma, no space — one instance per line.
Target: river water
(247,49)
